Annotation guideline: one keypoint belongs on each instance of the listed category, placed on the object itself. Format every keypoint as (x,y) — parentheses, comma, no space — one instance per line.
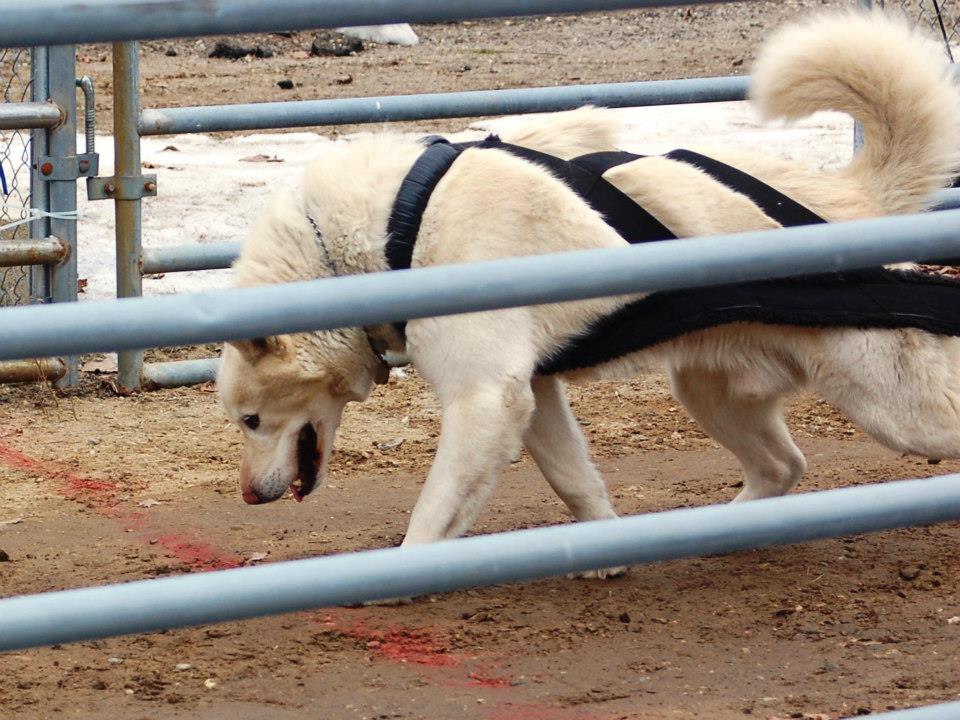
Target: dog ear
(256,349)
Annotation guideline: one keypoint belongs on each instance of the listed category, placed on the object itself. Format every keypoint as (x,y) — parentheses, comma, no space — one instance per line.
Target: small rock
(390,444)
(910,572)
(171,52)
(98,685)
(625,617)
(328,42)
(183,666)
(4,557)
(114,660)
(955,620)
(285,84)
(209,683)
(343,80)
(230,51)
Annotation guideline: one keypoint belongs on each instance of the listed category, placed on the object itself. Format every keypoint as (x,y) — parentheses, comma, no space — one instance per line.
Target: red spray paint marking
(103,496)
(419,647)
(416,646)
(71,485)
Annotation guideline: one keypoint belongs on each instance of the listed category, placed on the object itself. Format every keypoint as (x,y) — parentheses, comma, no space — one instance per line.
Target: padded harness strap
(865,299)
(786,211)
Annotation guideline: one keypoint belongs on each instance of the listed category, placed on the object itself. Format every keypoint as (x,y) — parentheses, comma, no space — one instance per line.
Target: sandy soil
(96,488)
(103,488)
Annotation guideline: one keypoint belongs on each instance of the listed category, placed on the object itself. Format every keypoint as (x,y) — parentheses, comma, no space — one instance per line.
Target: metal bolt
(84,165)
(46,168)
(150,186)
(109,188)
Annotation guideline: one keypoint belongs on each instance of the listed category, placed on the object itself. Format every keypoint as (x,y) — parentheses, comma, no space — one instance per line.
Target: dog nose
(250,497)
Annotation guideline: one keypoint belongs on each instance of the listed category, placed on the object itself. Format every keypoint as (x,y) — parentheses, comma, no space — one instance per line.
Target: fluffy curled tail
(891,80)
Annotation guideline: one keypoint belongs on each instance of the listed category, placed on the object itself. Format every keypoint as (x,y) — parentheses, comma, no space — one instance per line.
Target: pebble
(955,620)
(209,683)
(4,557)
(910,572)
(285,84)
(328,42)
(184,666)
(114,660)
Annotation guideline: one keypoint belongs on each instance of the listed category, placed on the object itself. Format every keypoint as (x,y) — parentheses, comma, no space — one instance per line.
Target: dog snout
(250,497)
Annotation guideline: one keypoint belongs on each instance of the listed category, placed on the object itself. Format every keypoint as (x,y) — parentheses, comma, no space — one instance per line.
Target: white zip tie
(34,214)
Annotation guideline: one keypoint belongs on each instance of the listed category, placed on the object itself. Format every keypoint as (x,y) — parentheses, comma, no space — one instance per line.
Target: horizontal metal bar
(943,711)
(55,22)
(32,251)
(390,108)
(197,599)
(181,258)
(947,199)
(220,256)
(305,113)
(26,371)
(181,372)
(133,323)
(29,115)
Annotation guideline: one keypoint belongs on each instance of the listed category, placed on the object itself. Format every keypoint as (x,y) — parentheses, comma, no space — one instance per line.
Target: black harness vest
(876,298)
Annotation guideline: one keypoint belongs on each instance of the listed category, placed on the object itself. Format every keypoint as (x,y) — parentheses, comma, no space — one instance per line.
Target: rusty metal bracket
(121,188)
(69,167)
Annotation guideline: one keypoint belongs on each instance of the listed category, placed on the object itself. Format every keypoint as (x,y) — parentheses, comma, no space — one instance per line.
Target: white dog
(901,386)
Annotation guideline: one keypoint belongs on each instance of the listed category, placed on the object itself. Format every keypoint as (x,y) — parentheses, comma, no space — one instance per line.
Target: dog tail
(891,80)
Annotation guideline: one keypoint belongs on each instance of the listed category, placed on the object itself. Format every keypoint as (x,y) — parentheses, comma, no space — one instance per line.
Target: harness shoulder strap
(775,204)
(415,190)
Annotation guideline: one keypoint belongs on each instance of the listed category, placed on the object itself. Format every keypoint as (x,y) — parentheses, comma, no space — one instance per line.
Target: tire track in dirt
(424,648)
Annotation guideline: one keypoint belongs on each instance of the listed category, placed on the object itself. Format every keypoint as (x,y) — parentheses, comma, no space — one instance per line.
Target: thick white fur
(902,387)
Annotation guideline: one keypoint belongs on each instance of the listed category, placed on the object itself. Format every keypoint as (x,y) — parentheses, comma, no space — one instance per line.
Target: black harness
(876,298)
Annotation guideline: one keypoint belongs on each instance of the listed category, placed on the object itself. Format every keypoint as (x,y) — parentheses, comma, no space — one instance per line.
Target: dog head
(287,396)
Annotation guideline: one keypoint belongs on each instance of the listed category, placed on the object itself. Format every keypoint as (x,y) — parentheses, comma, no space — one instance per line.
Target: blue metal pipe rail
(88,21)
(220,256)
(945,711)
(474,103)
(174,602)
(134,323)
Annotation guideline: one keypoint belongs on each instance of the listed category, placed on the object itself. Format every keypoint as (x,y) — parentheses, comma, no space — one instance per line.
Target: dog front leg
(558,446)
(480,434)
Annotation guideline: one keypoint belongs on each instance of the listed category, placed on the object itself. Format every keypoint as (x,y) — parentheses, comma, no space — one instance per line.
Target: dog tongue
(294,488)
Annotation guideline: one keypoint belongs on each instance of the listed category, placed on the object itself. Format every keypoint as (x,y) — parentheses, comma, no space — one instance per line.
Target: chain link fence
(14,174)
(940,17)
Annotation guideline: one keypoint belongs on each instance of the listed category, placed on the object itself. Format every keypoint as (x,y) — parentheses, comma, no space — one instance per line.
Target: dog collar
(382,374)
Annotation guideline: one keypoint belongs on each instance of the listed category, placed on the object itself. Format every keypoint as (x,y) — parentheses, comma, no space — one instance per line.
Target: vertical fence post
(126,143)
(39,195)
(62,190)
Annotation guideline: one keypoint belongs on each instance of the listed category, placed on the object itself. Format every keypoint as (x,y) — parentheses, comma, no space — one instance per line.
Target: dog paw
(601,574)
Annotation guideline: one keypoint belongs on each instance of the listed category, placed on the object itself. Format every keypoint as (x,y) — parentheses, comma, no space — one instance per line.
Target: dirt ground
(692,41)
(97,488)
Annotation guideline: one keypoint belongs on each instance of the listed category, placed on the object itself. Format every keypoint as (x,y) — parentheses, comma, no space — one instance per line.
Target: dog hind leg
(749,424)
(900,386)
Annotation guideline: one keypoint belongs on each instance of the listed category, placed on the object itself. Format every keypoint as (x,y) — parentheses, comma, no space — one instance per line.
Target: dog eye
(251,421)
